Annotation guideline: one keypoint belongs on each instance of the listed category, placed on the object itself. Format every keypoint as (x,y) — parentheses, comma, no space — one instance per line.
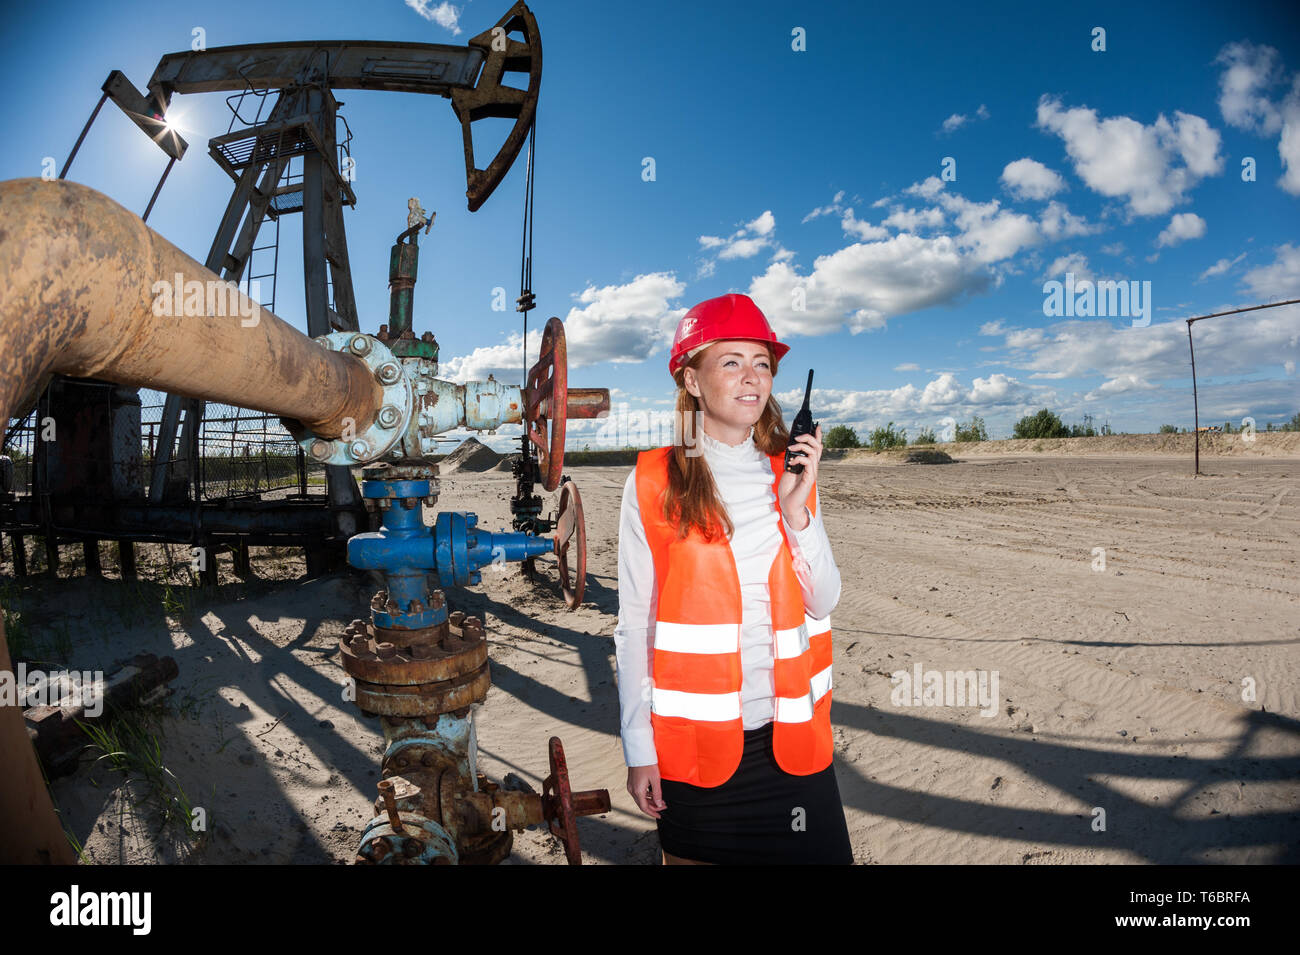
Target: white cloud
(1288,366)
(852,225)
(1183,226)
(1030,179)
(994,389)
(1220,267)
(1153,166)
(1278,280)
(909,220)
(505,360)
(1058,222)
(1288,146)
(745,243)
(864,284)
(763,225)
(745,248)
(1246,344)
(1025,337)
(907,366)
(1075,262)
(623,323)
(1118,386)
(928,189)
(942,392)
(1249,71)
(992,328)
(444,14)
(958,120)
(1115,248)
(833,209)
(990,233)
(937,405)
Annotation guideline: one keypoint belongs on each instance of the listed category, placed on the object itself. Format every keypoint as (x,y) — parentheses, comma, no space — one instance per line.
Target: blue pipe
(406,551)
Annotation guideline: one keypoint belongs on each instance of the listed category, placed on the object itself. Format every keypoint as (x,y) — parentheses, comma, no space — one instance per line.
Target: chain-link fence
(242,453)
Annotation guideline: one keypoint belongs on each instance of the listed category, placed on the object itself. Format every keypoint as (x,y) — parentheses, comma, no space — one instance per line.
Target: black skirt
(760,815)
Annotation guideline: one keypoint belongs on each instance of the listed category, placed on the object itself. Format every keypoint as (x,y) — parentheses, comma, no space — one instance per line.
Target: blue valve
(406,551)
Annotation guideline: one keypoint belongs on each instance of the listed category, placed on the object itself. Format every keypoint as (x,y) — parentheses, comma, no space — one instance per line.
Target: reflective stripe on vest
(697,677)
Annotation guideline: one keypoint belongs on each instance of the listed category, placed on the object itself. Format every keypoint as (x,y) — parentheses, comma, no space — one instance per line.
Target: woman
(726,582)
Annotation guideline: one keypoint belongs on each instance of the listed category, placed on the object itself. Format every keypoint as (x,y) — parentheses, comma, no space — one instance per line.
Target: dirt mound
(470,455)
(927,456)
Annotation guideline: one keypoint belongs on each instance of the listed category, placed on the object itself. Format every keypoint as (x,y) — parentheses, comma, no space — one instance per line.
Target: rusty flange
(428,699)
(419,841)
(367,656)
(419,677)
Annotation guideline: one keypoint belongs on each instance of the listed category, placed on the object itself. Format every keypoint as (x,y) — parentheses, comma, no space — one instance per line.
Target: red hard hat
(720,319)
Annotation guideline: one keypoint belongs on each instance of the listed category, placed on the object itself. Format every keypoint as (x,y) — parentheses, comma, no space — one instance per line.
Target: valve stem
(386,791)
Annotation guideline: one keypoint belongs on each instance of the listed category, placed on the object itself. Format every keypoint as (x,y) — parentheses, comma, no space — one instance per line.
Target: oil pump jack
(348,398)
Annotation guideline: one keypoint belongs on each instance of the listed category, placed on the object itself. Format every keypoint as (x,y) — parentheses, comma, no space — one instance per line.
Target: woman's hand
(793,489)
(643,784)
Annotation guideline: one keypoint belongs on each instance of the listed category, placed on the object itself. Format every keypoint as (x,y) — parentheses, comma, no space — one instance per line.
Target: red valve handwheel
(546,398)
(570,531)
(557,802)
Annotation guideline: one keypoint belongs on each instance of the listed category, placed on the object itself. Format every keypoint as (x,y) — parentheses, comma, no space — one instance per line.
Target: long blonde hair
(691,499)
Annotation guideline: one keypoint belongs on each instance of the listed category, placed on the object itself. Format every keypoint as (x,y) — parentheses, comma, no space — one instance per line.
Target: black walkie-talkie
(803,424)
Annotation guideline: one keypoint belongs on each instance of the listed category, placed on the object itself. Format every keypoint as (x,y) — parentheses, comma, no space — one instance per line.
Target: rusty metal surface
(365,64)
(54,730)
(367,438)
(390,805)
(546,402)
(571,541)
(96,276)
(407,639)
(587,403)
(420,841)
(373,660)
(493,98)
(486,848)
(558,803)
(429,785)
(426,699)
(30,834)
(562,806)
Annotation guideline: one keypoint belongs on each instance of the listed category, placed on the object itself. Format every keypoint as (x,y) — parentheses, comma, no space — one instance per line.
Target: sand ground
(1120,689)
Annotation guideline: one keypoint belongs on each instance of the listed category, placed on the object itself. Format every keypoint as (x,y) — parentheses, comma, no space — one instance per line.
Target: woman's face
(733,382)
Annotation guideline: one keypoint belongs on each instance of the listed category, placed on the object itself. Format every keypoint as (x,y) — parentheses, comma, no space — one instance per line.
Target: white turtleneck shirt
(743,476)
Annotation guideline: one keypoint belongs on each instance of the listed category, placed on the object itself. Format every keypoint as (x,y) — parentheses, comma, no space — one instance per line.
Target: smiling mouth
(748,399)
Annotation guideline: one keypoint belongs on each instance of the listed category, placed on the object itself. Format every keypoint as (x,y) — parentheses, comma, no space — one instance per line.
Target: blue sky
(776,170)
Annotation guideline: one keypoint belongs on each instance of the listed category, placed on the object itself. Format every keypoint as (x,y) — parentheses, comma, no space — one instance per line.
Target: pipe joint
(363,441)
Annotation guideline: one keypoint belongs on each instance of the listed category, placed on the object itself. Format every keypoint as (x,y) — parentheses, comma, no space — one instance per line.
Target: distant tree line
(1042,424)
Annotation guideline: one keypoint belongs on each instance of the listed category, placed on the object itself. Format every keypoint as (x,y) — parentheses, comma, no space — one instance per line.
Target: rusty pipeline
(90,291)
(587,403)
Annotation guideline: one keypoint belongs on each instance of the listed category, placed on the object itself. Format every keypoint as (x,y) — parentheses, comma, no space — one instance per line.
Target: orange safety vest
(695,694)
